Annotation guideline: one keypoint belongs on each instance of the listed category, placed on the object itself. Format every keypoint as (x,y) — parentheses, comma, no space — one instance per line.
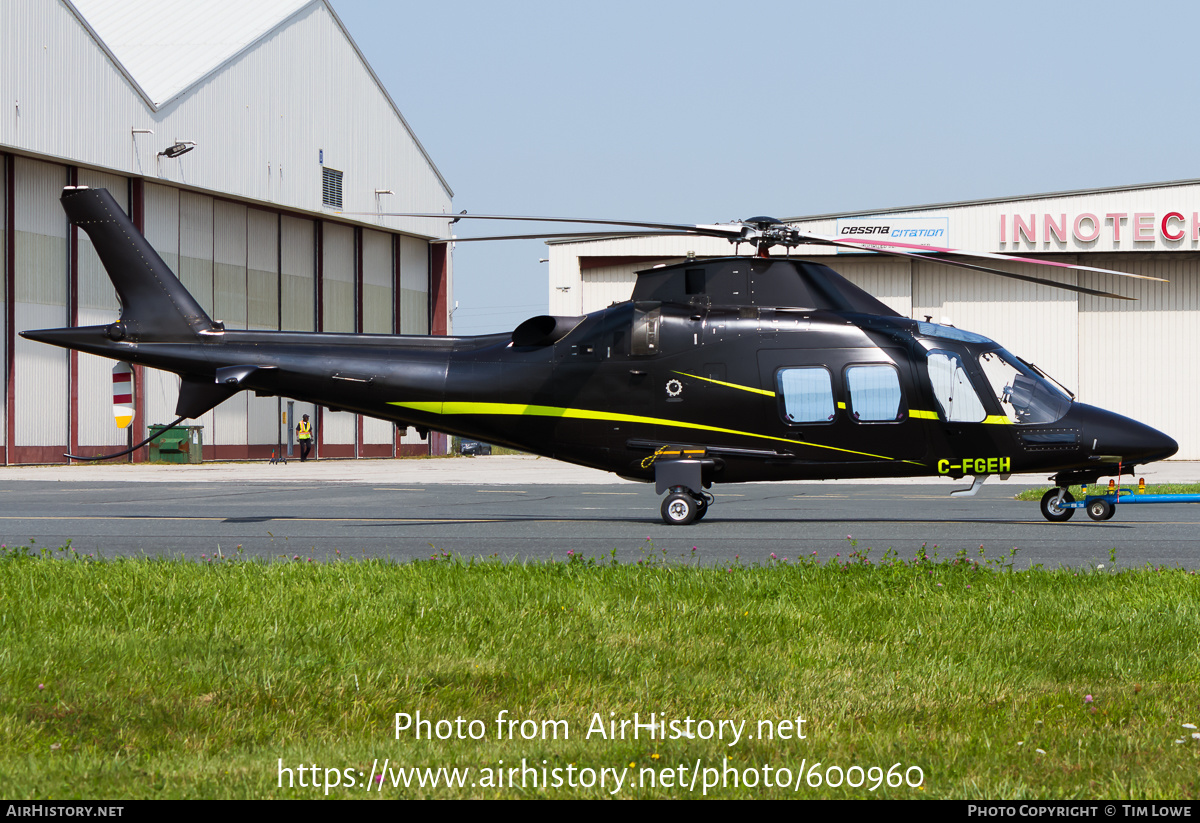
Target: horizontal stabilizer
(196,396)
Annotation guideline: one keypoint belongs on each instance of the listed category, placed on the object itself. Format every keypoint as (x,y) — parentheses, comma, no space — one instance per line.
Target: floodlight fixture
(180,147)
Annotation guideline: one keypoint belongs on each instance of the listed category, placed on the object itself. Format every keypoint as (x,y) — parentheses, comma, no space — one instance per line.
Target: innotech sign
(1113,228)
(922,231)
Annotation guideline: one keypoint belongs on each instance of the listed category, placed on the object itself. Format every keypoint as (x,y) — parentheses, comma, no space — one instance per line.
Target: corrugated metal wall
(229,305)
(377,310)
(605,285)
(196,271)
(338,307)
(4,299)
(160,390)
(262,313)
(40,379)
(1139,359)
(98,304)
(298,294)
(890,281)
(378,273)
(264,123)
(298,281)
(414,302)
(249,267)
(414,286)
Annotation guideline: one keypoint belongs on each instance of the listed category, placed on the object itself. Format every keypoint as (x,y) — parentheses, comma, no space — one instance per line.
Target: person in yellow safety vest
(304,435)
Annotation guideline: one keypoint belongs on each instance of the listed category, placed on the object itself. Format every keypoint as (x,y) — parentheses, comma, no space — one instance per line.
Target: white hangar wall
(261,119)
(1136,358)
(252,267)
(242,218)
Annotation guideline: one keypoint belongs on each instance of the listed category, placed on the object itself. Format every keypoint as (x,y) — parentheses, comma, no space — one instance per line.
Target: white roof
(166,48)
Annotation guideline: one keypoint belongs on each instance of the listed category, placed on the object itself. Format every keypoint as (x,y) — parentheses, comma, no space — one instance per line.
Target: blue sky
(703,112)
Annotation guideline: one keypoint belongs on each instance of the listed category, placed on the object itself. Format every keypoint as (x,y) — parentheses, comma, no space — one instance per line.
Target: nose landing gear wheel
(679,509)
(1052,511)
(1100,510)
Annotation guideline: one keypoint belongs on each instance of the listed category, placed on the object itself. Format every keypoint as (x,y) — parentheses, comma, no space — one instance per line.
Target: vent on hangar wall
(331,188)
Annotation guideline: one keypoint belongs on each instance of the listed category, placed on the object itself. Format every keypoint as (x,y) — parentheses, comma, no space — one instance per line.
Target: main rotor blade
(963,265)
(983,254)
(727,231)
(736,233)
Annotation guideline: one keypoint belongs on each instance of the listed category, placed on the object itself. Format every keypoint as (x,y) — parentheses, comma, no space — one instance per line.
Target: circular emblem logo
(674,388)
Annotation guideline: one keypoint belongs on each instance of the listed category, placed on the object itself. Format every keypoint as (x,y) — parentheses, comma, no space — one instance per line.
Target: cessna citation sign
(926,231)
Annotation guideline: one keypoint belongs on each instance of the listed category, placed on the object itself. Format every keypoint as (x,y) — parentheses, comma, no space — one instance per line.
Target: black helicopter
(716,371)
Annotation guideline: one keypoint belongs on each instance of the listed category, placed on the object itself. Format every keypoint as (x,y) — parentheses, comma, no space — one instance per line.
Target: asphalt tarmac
(519,507)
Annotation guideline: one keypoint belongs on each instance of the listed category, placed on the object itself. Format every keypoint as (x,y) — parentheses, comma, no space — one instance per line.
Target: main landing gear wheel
(1052,511)
(679,509)
(1100,510)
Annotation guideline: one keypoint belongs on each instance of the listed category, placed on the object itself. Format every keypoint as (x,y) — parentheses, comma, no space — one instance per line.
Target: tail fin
(153,301)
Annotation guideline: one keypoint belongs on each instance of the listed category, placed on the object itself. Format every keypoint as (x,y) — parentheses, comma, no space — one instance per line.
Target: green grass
(1102,488)
(169,679)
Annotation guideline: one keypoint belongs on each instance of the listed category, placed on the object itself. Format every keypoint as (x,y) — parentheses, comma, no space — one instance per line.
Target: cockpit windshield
(1025,395)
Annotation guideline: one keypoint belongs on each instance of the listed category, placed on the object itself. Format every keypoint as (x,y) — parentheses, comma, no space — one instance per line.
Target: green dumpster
(177,444)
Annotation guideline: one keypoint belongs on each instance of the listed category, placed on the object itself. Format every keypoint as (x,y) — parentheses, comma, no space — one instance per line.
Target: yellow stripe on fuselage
(737,386)
(522,410)
(990,420)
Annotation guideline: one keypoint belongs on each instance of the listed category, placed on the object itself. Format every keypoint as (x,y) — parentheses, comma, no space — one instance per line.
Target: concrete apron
(483,471)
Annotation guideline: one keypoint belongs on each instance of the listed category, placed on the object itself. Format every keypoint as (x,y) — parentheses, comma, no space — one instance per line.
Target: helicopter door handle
(637,372)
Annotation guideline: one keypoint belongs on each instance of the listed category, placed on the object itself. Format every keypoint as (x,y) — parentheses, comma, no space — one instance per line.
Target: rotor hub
(763,232)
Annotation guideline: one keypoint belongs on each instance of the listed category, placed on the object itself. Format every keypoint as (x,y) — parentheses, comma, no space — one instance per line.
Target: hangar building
(234,134)
(1138,358)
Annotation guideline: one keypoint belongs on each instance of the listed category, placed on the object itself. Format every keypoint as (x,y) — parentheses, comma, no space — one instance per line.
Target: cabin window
(807,395)
(874,393)
(955,395)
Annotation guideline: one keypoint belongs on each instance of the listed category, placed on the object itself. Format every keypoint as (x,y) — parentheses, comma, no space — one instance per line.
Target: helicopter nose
(1111,434)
